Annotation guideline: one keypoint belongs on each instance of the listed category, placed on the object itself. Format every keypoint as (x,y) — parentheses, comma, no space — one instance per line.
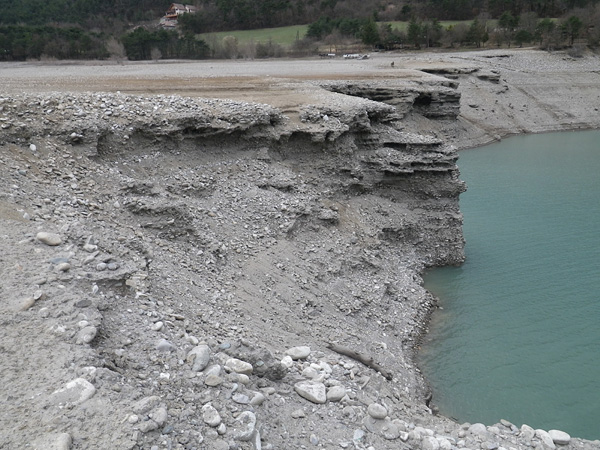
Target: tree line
(95,29)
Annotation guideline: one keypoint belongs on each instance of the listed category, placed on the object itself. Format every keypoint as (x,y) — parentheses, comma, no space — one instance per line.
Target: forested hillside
(83,29)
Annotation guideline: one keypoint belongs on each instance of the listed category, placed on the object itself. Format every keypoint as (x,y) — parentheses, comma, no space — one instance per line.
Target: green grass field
(282,35)
(285,36)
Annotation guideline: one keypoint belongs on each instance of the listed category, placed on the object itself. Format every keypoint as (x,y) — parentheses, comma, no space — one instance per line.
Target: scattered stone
(74,393)
(242,399)
(430,443)
(213,380)
(147,426)
(199,357)
(245,426)
(287,362)
(211,416)
(311,391)
(159,416)
(478,429)
(559,437)
(63,267)
(85,303)
(527,433)
(58,441)
(51,239)
(298,414)
(336,393)
(86,335)
(377,411)
(238,366)
(26,303)
(146,404)
(543,436)
(164,346)
(257,399)
(297,353)
(157,326)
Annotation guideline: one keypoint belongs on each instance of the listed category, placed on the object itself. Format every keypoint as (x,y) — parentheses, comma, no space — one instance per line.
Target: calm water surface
(519,334)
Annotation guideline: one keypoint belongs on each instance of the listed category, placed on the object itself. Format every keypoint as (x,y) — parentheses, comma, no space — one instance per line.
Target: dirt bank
(228,254)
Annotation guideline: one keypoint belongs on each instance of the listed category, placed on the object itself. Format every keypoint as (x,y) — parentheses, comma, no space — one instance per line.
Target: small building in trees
(177,9)
(169,20)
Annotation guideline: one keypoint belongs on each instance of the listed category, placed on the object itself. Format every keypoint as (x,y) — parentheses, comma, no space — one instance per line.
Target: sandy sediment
(228,254)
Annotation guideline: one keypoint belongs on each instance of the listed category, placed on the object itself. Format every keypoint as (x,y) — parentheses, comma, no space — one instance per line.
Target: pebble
(26,303)
(199,357)
(63,267)
(543,436)
(157,326)
(58,441)
(238,366)
(242,399)
(245,427)
(287,362)
(75,392)
(478,429)
(258,399)
(211,416)
(559,437)
(146,404)
(86,335)
(298,414)
(296,353)
(164,346)
(311,391)
(377,411)
(51,239)
(336,393)
(147,426)
(160,416)
(430,443)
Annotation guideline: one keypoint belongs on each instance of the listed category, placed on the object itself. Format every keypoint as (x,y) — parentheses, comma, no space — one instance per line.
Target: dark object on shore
(367,360)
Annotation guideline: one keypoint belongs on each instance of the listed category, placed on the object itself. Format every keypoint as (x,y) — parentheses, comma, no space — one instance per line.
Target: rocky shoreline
(184,272)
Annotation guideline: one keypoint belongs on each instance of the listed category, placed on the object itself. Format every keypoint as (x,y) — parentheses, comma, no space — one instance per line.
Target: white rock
(336,393)
(146,404)
(479,429)
(211,416)
(75,392)
(377,411)
(245,427)
(310,373)
(430,443)
(199,357)
(311,391)
(58,441)
(560,437)
(445,444)
(51,239)
(160,416)
(257,399)
(86,335)
(543,436)
(527,433)
(238,366)
(296,353)
(287,362)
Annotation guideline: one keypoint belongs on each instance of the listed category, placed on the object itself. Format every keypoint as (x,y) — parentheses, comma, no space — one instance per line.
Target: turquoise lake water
(519,334)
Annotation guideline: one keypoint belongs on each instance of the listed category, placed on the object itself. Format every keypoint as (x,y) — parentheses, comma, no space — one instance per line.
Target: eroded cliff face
(184,221)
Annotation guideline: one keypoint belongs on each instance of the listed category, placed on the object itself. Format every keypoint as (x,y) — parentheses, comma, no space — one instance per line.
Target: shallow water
(519,334)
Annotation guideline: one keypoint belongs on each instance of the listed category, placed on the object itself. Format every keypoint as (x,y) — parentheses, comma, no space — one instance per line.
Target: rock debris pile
(188,274)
